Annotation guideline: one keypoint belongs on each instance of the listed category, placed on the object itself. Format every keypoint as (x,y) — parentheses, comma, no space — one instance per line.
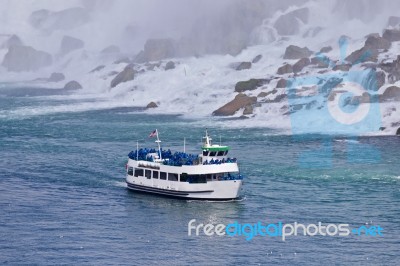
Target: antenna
(158,141)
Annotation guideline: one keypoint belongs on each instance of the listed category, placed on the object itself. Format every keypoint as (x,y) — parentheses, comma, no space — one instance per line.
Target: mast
(184,145)
(137,150)
(158,141)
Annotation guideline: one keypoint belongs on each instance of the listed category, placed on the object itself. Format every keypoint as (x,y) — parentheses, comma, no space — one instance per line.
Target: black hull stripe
(164,191)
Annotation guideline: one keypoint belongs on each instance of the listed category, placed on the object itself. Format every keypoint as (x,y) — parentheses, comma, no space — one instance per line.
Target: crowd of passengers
(173,159)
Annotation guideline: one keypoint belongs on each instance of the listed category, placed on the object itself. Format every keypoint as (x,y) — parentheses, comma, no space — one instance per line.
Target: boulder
(248,110)
(299,65)
(393,70)
(126,75)
(391,94)
(151,105)
(256,59)
(295,52)
(157,49)
(97,68)
(14,40)
(321,61)
(325,49)
(289,24)
(393,21)
(281,84)
(241,101)
(170,65)
(342,67)
(374,41)
(112,49)
(398,132)
(243,65)
(380,79)
(25,58)
(285,69)
(73,85)
(69,44)
(365,54)
(392,35)
(265,94)
(56,77)
(250,84)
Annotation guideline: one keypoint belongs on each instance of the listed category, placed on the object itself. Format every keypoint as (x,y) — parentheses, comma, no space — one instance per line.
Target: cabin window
(194,179)
(226,152)
(184,177)
(148,174)
(155,174)
(163,175)
(213,153)
(221,153)
(209,177)
(205,153)
(138,172)
(130,171)
(172,177)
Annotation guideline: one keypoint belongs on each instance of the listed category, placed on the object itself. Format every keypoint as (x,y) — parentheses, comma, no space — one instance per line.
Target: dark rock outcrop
(299,65)
(69,44)
(391,93)
(362,55)
(73,85)
(256,59)
(380,79)
(374,41)
(295,52)
(285,69)
(281,84)
(250,84)
(25,58)
(157,49)
(393,70)
(398,132)
(392,35)
(126,75)
(320,61)
(170,65)
(243,66)
(241,101)
(151,105)
(56,77)
(325,49)
(288,24)
(342,67)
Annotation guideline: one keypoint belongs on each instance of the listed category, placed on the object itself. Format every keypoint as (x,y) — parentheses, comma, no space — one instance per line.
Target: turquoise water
(63,199)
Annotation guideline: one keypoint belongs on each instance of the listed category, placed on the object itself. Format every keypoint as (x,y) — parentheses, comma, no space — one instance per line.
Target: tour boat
(210,175)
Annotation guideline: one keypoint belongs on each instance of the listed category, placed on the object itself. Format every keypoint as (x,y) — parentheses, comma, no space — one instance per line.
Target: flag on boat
(153,134)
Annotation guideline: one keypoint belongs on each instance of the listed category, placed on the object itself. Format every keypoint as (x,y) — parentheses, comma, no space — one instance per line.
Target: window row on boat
(184,177)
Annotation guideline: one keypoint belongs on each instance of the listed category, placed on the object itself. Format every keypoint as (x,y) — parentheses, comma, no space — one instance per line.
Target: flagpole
(137,150)
(158,142)
(184,145)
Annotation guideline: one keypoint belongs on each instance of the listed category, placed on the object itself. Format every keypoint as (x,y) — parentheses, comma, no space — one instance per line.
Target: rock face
(392,93)
(14,40)
(73,85)
(25,58)
(249,85)
(342,67)
(392,35)
(380,79)
(157,49)
(365,54)
(56,77)
(299,65)
(256,59)
(243,65)
(126,75)
(241,101)
(151,105)
(69,44)
(374,41)
(281,84)
(288,24)
(325,49)
(295,52)
(170,65)
(285,69)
